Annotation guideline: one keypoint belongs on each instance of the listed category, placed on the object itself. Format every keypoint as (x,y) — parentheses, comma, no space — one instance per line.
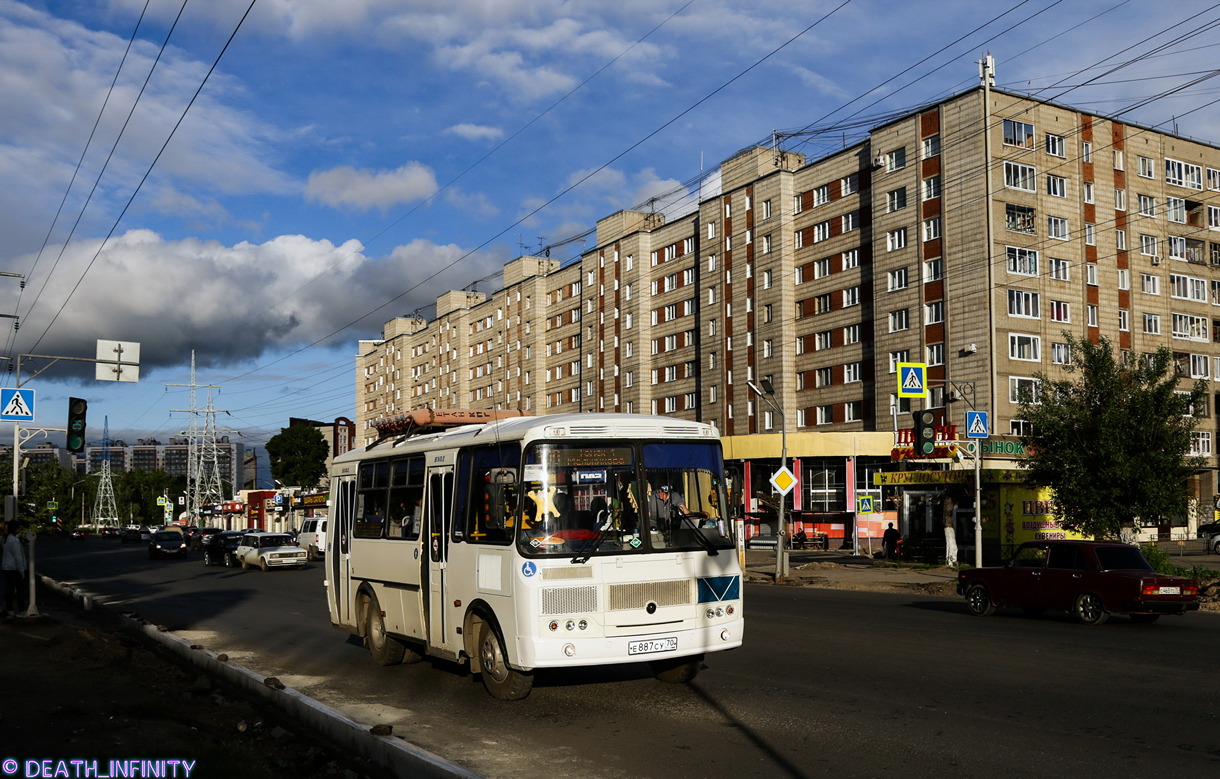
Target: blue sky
(346,162)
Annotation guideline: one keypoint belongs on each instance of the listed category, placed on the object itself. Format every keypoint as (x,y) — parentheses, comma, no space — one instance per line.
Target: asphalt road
(828,683)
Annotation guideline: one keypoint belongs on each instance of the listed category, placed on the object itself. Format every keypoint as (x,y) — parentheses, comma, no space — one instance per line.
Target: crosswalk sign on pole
(17,405)
(977,425)
(912,379)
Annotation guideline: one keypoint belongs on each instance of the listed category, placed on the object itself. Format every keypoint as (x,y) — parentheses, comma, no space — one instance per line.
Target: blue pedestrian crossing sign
(912,379)
(17,405)
(864,504)
(977,425)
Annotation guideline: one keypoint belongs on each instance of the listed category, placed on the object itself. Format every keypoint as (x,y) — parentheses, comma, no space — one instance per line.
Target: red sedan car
(1089,579)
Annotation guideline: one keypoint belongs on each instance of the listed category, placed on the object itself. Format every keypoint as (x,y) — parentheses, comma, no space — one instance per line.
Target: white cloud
(475,132)
(232,303)
(364,189)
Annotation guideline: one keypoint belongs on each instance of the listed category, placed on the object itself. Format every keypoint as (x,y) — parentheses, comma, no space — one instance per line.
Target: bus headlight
(570,625)
(583,624)
(710,613)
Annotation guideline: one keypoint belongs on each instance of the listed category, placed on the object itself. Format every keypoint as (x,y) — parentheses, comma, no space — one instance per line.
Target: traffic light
(925,432)
(76,424)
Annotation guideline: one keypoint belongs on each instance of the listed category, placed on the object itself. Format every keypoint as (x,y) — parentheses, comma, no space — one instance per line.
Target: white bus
(538,542)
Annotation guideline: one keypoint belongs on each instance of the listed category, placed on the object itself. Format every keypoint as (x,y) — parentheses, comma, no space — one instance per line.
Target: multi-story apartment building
(969,234)
(173,458)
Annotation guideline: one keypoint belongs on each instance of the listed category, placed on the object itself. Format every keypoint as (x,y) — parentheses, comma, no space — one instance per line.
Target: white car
(312,537)
(269,550)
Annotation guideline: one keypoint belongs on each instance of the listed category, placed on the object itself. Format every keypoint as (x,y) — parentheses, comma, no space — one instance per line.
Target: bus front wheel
(384,648)
(502,682)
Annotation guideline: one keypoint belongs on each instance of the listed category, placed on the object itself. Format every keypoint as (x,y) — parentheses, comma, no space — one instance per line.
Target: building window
(1061,354)
(935,354)
(1018,134)
(934,312)
(899,320)
(896,160)
(1057,228)
(1086,151)
(821,231)
(1183,174)
(1023,304)
(851,297)
(1056,186)
(1092,315)
(851,259)
(1055,145)
(931,146)
(1124,278)
(1023,262)
(852,411)
(851,221)
(896,200)
(1147,168)
(823,340)
(1175,209)
(931,228)
(896,279)
(1019,219)
(1086,191)
(1023,389)
(1148,245)
(933,270)
(823,377)
(1018,176)
(849,185)
(1124,320)
(931,187)
(1090,234)
(851,373)
(1120,239)
(1150,284)
(1120,200)
(821,268)
(1061,270)
(1090,274)
(1147,205)
(903,355)
(1061,311)
(896,239)
(1025,347)
(1190,328)
(1152,324)
(851,334)
(826,415)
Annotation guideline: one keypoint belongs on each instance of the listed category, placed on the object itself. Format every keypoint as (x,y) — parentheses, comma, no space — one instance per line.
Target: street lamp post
(781,548)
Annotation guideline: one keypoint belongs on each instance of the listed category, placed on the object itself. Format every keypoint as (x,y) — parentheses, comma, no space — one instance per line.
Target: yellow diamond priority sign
(783,480)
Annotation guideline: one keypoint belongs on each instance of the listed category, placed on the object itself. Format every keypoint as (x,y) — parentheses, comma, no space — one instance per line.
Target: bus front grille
(640,594)
(569,600)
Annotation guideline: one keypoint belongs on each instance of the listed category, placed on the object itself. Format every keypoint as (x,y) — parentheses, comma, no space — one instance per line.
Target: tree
(298,456)
(1114,444)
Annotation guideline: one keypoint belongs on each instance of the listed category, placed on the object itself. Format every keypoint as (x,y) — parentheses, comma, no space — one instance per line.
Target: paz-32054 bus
(537,542)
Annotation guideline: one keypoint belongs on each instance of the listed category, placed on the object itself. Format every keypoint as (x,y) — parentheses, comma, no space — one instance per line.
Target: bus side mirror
(503,475)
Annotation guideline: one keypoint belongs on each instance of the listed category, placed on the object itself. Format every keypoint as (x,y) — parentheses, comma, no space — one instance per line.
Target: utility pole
(104,509)
(203,483)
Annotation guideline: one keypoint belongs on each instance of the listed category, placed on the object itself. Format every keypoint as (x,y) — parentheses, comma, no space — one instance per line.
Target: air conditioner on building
(879,161)
(1155,260)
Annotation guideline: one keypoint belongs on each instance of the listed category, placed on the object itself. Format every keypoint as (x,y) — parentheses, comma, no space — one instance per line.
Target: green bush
(1162,562)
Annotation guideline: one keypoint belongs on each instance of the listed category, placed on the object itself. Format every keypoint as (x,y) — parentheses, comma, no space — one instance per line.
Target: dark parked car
(1090,580)
(202,535)
(218,549)
(1208,530)
(131,535)
(167,543)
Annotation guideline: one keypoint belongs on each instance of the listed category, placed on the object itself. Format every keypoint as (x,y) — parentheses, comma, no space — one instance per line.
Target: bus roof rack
(426,420)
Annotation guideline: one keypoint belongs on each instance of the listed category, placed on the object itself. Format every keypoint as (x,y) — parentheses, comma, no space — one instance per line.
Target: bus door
(338,552)
(438,506)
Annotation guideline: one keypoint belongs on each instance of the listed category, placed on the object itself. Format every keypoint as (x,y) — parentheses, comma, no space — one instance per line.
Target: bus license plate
(669,644)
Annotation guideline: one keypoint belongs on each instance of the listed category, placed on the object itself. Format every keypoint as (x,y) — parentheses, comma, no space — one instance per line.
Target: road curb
(389,753)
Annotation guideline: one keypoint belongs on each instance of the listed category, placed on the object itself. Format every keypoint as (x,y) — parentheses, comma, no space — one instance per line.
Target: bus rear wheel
(679,670)
(500,681)
(385,649)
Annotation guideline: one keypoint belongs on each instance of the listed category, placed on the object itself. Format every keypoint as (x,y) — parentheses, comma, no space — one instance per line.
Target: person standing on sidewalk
(889,542)
(12,562)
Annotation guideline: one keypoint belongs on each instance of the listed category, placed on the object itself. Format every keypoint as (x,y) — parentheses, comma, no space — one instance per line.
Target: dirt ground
(73,687)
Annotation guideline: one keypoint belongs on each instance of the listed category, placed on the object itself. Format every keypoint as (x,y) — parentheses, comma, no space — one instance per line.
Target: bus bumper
(568,648)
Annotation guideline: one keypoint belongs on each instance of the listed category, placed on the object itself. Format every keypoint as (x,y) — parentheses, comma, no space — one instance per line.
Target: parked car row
(232,548)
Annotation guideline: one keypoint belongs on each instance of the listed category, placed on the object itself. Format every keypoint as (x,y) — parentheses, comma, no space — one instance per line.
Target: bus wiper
(675,513)
(602,533)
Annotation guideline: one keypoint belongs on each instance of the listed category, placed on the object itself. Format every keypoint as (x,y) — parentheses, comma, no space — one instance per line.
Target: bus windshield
(580,499)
